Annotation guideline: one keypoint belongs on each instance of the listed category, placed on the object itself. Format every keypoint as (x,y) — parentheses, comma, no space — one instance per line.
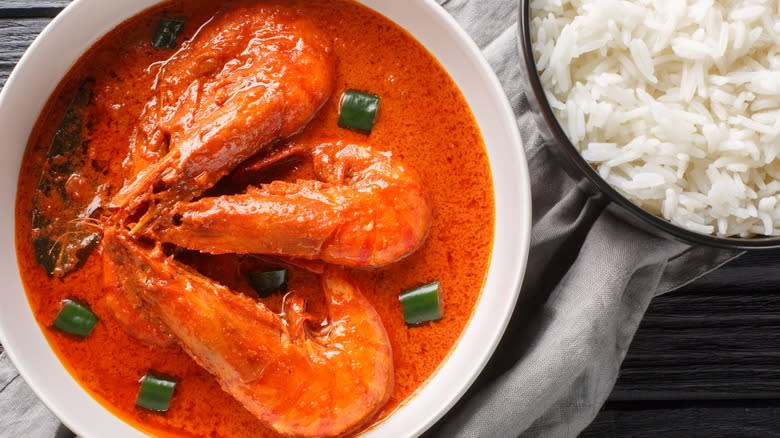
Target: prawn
(367,210)
(247,78)
(297,380)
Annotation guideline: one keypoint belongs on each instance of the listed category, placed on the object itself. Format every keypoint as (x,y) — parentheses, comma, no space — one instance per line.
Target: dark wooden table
(705,361)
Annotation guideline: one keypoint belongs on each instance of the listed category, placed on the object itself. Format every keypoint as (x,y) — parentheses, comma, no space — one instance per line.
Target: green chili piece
(155,393)
(267,282)
(421,304)
(358,110)
(75,319)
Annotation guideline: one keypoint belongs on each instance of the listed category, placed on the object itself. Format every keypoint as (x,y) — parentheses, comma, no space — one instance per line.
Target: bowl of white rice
(669,108)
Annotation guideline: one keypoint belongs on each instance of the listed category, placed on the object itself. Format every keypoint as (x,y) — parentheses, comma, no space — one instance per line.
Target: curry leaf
(63,232)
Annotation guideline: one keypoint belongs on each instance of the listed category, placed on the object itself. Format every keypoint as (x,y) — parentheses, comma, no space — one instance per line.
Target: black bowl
(589,179)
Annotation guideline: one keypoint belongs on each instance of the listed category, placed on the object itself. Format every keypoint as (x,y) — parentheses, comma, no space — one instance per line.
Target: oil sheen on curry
(254,218)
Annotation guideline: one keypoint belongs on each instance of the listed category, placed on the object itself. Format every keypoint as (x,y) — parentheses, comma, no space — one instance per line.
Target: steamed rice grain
(675,103)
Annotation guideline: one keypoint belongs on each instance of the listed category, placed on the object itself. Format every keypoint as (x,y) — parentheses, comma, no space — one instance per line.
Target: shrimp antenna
(87,221)
(58,240)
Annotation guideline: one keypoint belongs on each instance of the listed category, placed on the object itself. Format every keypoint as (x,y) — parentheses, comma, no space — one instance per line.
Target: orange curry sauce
(423,120)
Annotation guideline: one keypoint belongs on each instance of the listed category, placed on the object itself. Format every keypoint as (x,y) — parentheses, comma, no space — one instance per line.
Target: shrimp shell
(247,78)
(368,210)
(296,380)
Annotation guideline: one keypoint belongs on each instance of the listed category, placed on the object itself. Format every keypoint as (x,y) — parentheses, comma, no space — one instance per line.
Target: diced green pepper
(76,319)
(358,110)
(155,393)
(267,282)
(421,304)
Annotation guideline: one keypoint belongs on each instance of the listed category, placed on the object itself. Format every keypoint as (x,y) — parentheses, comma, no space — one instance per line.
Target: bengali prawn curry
(254,218)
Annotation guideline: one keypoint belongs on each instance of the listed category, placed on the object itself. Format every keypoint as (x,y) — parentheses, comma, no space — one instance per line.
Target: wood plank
(715,339)
(713,419)
(32,4)
(15,36)
(31,8)
(756,271)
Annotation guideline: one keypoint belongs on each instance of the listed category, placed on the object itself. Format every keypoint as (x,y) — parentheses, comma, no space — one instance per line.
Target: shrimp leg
(298,381)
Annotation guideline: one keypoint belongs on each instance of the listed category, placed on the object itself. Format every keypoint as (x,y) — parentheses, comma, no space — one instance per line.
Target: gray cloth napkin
(21,414)
(590,279)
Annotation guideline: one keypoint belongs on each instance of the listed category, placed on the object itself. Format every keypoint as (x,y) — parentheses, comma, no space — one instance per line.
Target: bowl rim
(512,215)
(564,144)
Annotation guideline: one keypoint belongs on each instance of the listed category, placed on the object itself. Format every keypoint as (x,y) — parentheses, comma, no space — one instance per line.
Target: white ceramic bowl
(83,22)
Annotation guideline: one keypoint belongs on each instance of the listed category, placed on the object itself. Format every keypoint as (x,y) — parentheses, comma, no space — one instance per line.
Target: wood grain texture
(31,8)
(756,271)
(715,339)
(705,360)
(33,4)
(15,36)
(675,419)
